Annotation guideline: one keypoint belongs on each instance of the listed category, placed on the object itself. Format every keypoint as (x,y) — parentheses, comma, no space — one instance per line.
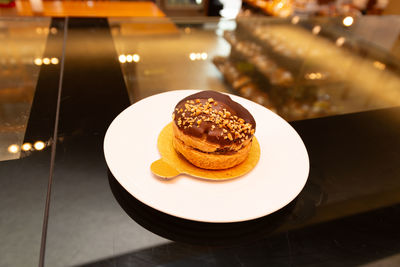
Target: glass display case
(299,68)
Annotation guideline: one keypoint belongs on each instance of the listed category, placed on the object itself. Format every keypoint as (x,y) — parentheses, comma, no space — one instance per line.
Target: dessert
(212,131)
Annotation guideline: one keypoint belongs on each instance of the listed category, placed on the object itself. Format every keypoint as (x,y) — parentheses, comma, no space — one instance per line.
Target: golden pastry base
(172,163)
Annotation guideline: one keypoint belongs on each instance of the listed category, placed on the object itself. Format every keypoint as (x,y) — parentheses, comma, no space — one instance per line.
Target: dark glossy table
(64,80)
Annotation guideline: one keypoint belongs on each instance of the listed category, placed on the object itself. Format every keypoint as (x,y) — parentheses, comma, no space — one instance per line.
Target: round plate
(130,146)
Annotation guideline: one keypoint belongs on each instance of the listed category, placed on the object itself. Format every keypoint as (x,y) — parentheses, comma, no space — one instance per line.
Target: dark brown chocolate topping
(216,115)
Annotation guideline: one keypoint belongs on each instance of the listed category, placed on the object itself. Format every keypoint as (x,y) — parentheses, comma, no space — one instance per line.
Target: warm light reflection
(53,30)
(198,56)
(39,145)
(46,61)
(348,21)
(379,65)
(54,60)
(26,147)
(340,41)
(13,148)
(38,61)
(45,30)
(316,29)
(187,30)
(295,20)
(122,58)
(129,58)
(136,58)
(314,76)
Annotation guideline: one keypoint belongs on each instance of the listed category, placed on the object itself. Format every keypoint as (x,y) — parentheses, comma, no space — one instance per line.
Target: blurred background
(300,58)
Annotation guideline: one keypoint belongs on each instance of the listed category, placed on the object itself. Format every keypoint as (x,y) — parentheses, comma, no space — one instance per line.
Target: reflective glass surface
(161,55)
(336,80)
(30,56)
(23,43)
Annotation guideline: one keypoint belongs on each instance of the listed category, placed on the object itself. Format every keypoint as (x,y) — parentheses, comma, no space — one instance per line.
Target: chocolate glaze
(214,134)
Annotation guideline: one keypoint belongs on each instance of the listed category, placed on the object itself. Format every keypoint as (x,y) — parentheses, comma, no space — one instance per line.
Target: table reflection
(198,233)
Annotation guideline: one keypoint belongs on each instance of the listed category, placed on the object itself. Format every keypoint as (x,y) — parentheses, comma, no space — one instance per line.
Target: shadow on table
(194,232)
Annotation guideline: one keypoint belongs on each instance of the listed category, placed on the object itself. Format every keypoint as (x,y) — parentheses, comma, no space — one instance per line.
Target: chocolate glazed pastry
(212,131)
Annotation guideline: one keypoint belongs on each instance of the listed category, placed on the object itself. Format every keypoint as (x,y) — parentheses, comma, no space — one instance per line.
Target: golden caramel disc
(177,162)
(163,169)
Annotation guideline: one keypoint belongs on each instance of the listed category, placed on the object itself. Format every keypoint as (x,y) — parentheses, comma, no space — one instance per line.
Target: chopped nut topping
(198,111)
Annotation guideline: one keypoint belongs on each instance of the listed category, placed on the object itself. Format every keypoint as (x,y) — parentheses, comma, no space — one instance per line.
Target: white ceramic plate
(130,146)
